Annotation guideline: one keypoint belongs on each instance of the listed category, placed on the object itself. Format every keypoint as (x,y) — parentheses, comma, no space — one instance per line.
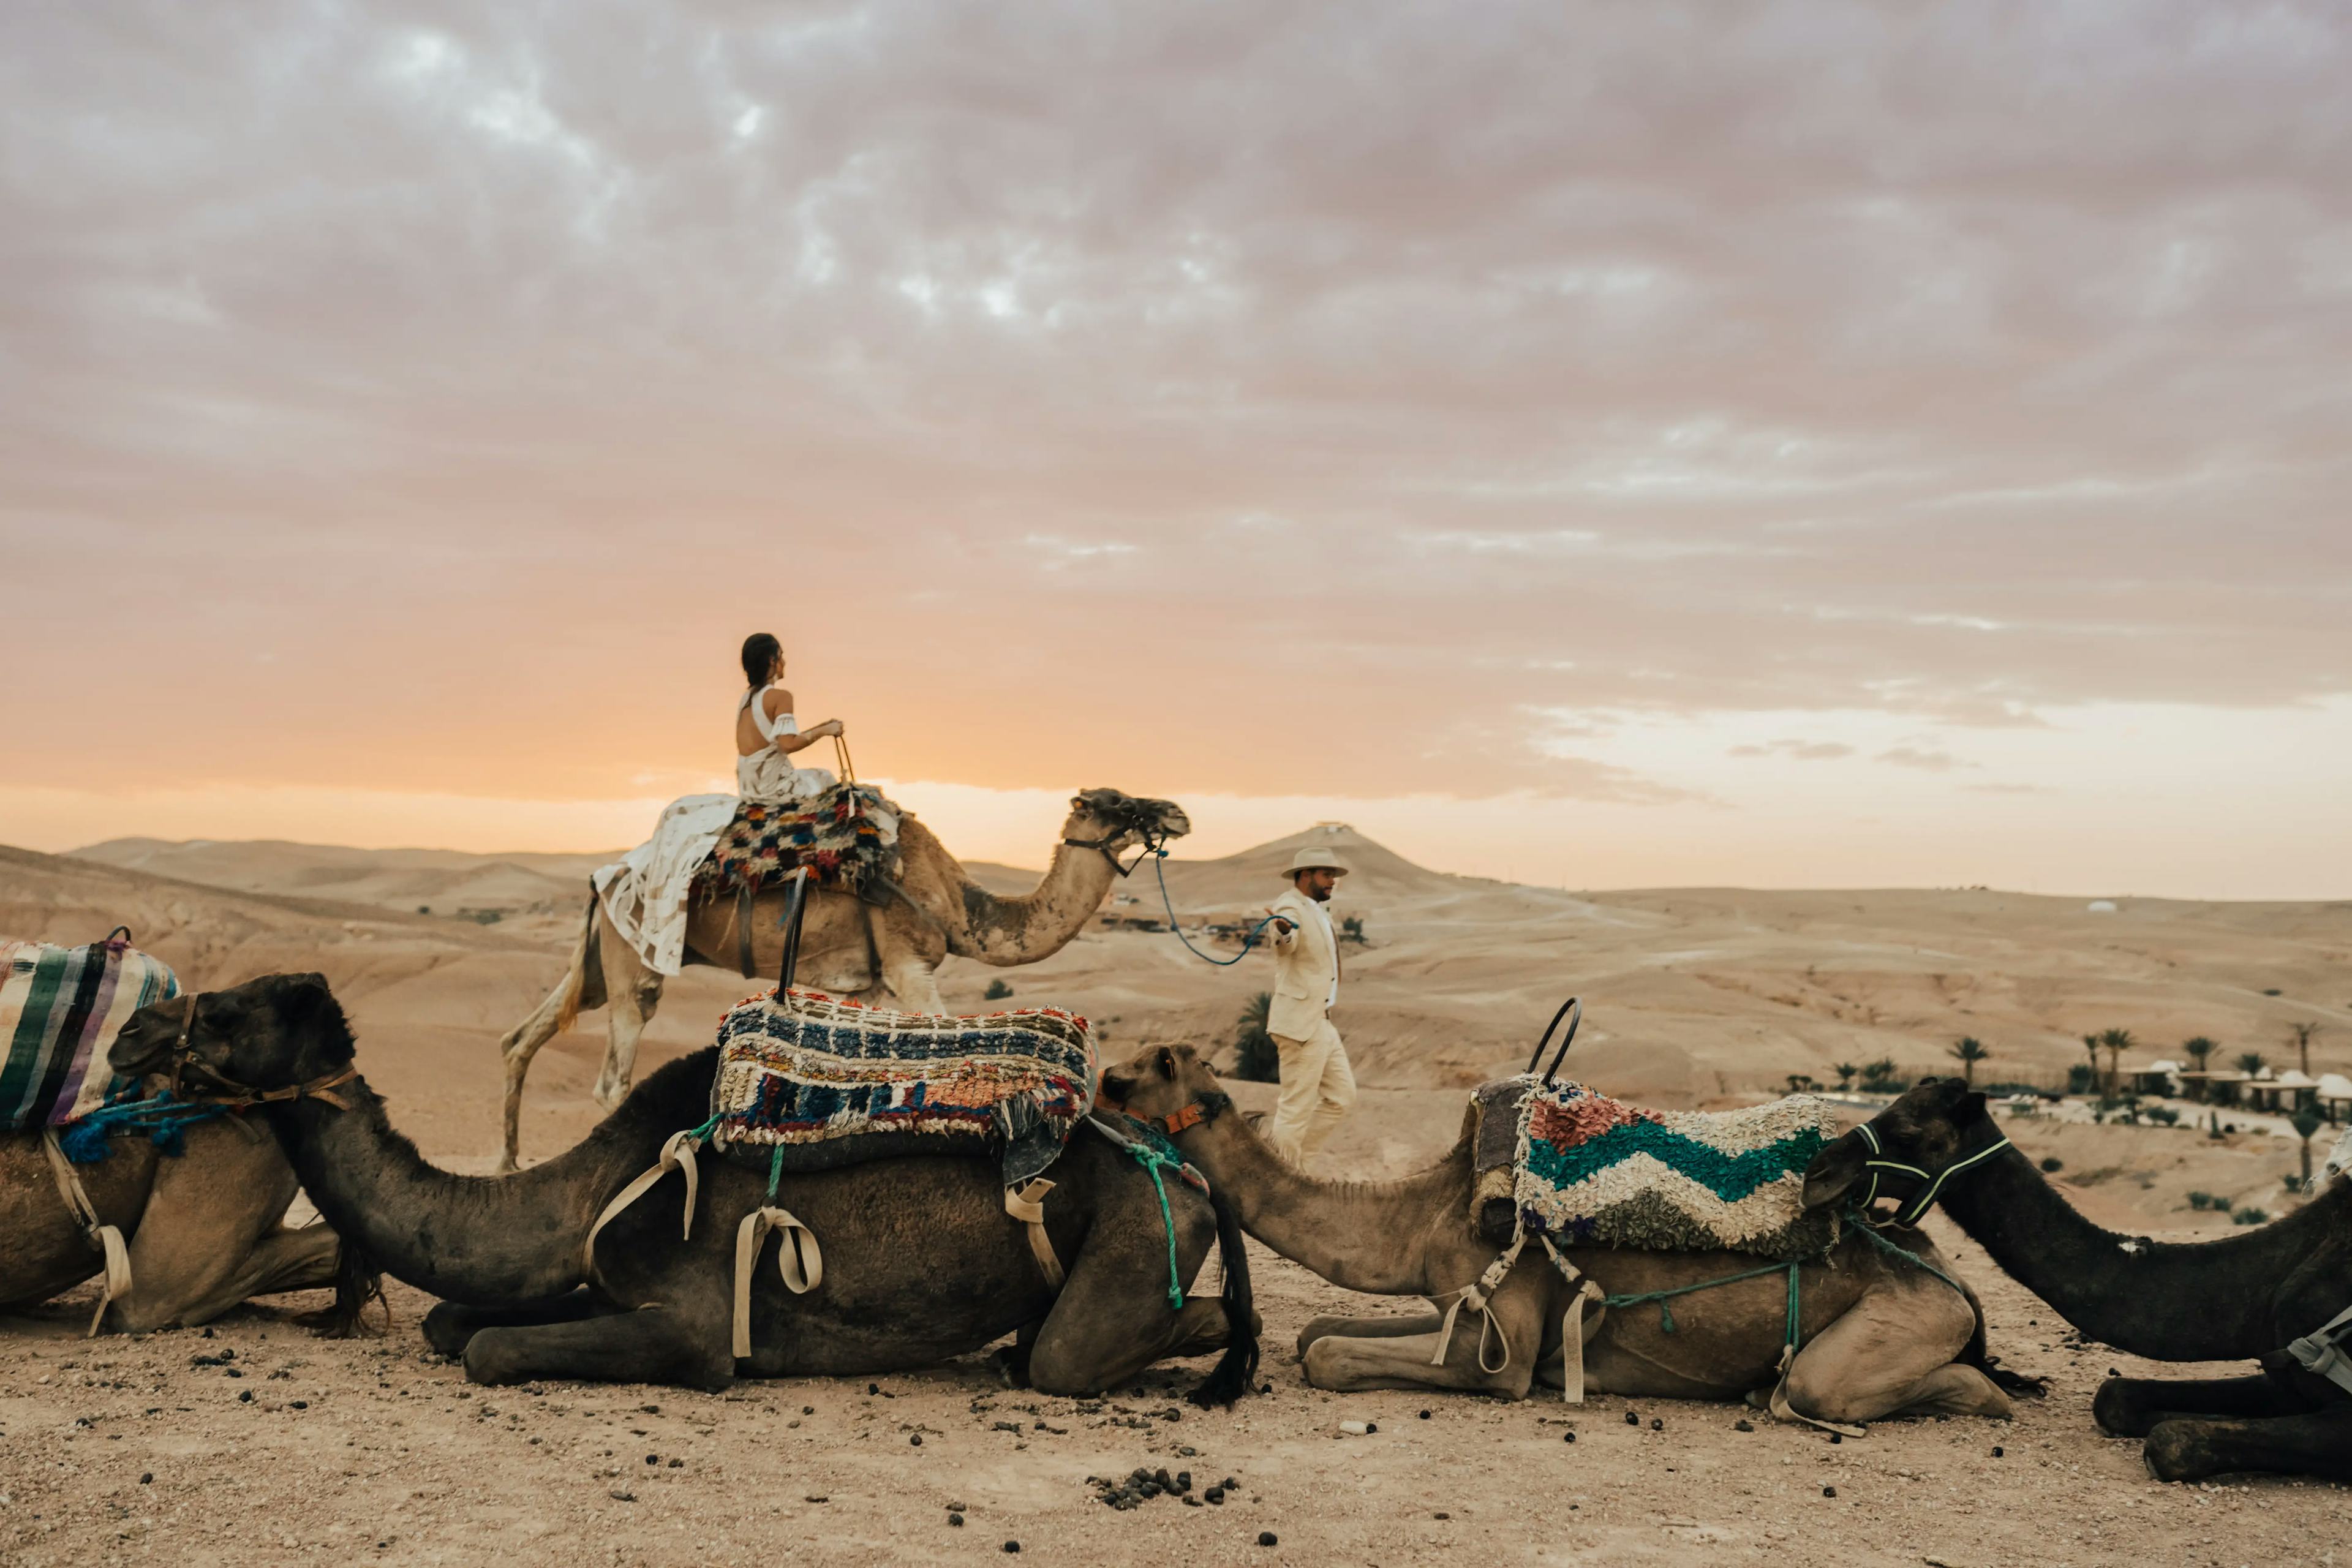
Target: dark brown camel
(2245,1297)
(921,1261)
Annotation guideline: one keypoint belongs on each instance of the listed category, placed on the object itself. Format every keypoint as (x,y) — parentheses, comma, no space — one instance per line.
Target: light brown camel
(204,1226)
(1878,1336)
(848,947)
(920,1260)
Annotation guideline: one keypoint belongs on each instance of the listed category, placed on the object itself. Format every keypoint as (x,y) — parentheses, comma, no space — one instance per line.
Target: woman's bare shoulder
(777,701)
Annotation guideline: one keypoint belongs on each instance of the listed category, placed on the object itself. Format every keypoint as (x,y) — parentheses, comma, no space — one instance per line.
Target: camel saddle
(60,1008)
(807,1082)
(1559,1160)
(847,837)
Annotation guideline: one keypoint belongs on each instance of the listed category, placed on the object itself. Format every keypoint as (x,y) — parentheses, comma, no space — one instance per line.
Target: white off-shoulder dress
(644,891)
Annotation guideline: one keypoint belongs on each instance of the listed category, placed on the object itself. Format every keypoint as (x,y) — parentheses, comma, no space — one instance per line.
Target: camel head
(1111,821)
(1159,1082)
(1908,1151)
(266,1034)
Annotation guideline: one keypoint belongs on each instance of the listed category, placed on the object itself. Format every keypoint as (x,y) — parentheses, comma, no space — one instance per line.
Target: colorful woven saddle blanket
(60,1008)
(846,836)
(1562,1161)
(810,1083)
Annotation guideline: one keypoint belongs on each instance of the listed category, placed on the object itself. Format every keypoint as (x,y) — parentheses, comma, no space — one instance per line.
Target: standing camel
(2239,1298)
(1878,1337)
(919,1260)
(205,1226)
(848,947)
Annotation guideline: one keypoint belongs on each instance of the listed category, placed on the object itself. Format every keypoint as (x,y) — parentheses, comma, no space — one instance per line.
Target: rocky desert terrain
(170,1448)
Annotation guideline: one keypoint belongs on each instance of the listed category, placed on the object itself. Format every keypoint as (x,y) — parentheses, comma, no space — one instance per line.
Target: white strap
(104,1238)
(679,1152)
(1575,1327)
(1027,1205)
(1475,1296)
(2321,1352)
(798,1259)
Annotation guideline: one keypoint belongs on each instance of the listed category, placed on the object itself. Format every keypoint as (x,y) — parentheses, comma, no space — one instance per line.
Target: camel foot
(450,1327)
(1380,1327)
(646,1344)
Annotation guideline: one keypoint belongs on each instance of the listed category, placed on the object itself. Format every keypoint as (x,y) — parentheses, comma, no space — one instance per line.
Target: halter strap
(240,1096)
(1931,1182)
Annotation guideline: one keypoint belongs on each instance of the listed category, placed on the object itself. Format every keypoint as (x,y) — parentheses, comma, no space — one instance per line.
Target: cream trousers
(1318,1088)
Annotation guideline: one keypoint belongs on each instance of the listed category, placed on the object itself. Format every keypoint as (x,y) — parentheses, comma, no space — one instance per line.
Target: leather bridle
(227,1091)
(1887,1175)
(1193,1114)
(1102,846)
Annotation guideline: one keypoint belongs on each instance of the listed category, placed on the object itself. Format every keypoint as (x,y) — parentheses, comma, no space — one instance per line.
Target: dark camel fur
(2242,1298)
(921,1262)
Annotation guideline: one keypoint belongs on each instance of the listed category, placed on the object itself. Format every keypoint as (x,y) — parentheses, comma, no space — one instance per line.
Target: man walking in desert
(1318,1084)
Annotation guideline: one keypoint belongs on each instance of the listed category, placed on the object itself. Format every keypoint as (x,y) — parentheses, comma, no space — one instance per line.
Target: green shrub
(2251,1215)
(1255,1060)
(1882,1077)
(2204,1201)
(997,991)
(2082,1078)
(2164,1115)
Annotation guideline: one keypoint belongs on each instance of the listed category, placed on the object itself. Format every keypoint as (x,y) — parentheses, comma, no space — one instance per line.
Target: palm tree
(2251,1063)
(2114,1042)
(2198,1050)
(2091,1048)
(1968,1050)
(2302,1032)
(1845,1071)
(1255,1060)
(2306,1123)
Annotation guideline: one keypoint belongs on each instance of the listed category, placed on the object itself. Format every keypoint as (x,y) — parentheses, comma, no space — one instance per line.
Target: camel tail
(1230,1378)
(357,1281)
(575,979)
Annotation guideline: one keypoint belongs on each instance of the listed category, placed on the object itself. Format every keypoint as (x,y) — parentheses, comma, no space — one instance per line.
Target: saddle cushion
(60,1008)
(810,1083)
(1594,1170)
(847,837)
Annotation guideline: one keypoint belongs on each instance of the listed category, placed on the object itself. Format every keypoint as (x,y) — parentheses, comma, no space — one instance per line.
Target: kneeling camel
(2249,1297)
(1876,1336)
(205,1226)
(920,1260)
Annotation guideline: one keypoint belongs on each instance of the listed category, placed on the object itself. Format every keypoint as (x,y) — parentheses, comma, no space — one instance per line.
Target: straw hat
(1315,860)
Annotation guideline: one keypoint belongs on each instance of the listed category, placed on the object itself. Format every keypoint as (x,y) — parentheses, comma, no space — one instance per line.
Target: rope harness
(1927,1185)
(2322,1353)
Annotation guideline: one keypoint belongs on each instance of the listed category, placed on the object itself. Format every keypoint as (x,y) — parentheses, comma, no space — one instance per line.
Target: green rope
(1666,1312)
(1153,1162)
(1870,1234)
(776,1171)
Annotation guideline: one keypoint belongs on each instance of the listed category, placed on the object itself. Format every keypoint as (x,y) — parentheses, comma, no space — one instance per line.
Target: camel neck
(475,1239)
(1359,1236)
(2206,1300)
(1026,926)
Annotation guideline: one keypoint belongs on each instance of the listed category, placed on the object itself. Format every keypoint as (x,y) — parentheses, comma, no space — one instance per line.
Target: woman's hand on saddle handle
(831,727)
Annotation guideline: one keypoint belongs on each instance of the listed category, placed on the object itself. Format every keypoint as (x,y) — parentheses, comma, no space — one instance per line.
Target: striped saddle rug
(846,836)
(60,1008)
(1562,1161)
(809,1083)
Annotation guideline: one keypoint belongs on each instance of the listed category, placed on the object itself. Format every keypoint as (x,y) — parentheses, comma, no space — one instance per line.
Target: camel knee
(2123,1408)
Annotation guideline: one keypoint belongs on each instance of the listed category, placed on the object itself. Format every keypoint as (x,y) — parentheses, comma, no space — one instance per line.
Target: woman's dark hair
(761,651)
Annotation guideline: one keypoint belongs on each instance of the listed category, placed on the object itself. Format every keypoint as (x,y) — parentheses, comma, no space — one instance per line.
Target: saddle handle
(796,906)
(1573,1010)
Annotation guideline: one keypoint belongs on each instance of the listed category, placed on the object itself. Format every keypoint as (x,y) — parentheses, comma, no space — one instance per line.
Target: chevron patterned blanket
(60,1008)
(810,1083)
(847,837)
(1564,1160)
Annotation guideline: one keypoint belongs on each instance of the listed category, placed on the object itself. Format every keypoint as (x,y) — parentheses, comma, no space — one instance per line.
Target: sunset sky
(1798,444)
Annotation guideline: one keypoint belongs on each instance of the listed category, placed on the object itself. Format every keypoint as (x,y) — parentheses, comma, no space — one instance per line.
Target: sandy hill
(1692,995)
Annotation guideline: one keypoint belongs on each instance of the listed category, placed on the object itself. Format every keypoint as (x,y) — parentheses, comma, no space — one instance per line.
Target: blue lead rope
(165,1119)
(1158,857)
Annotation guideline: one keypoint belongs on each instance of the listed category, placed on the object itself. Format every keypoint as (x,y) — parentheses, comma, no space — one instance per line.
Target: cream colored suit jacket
(1306,965)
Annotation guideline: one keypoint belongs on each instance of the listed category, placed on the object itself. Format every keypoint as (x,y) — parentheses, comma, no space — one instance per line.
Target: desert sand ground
(126,1449)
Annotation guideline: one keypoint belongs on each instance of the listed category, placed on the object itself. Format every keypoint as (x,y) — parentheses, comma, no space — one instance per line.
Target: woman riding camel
(767,733)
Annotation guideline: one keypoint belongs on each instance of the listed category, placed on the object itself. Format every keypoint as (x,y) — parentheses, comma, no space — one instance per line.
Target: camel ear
(1972,1106)
(1165,1060)
(1835,1171)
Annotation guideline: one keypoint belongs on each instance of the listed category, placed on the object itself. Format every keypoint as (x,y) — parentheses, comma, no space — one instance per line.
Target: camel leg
(633,992)
(303,1260)
(1892,1352)
(578,989)
(450,1326)
(2315,1444)
(1382,1327)
(1351,1364)
(646,1344)
(210,1236)
(911,978)
(1090,1343)
(2132,1407)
